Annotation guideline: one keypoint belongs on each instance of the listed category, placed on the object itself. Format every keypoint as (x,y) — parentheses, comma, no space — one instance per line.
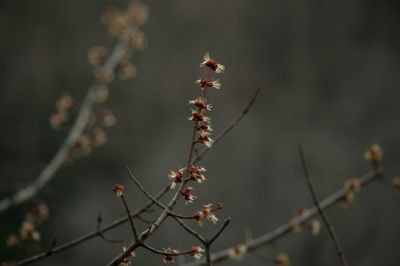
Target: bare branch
(321,212)
(99,220)
(130,217)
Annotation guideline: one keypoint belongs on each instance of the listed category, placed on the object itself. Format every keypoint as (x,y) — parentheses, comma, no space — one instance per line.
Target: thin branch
(130,217)
(286,228)
(328,224)
(51,168)
(230,126)
(99,220)
(220,230)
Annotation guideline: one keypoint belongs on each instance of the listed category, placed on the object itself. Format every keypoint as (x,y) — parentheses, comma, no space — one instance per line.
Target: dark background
(329,72)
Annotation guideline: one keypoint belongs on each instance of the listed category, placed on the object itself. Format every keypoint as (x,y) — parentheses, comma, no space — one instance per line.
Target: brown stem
(328,224)
(130,217)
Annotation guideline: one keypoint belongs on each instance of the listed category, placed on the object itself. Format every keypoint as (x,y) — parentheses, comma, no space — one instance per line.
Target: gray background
(329,76)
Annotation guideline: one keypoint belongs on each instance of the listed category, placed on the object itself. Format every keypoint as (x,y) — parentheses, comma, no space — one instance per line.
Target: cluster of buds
(187,194)
(237,252)
(208,213)
(127,261)
(202,122)
(374,154)
(196,173)
(196,252)
(170,258)
(176,177)
(118,189)
(282,259)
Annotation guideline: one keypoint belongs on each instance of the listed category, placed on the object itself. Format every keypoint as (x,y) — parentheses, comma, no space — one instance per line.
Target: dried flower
(199,218)
(204,138)
(201,104)
(187,194)
(352,185)
(28,231)
(374,154)
(314,226)
(97,55)
(118,189)
(282,259)
(210,63)
(209,214)
(237,252)
(196,174)
(169,258)
(196,252)
(177,177)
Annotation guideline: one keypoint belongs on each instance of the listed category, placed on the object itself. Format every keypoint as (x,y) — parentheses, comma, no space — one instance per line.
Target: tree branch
(286,228)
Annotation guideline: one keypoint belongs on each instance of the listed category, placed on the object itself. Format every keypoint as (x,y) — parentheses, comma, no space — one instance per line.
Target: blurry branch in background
(128,40)
(101,230)
(282,230)
(328,224)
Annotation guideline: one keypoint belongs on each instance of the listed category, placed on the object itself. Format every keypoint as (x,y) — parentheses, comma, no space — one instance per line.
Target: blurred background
(329,72)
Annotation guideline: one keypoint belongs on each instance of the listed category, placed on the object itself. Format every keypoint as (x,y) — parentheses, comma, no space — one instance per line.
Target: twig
(99,220)
(207,243)
(328,224)
(130,217)
(51,168)
(286,228)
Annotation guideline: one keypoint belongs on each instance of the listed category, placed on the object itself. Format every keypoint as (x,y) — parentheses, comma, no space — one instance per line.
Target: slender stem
(130,217)
(328,224)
